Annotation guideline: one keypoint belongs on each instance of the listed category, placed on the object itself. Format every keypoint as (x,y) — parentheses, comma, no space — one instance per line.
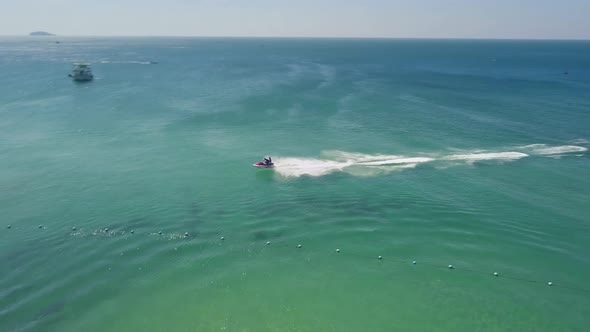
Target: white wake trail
(360,164)
(542,149)
(473,157)
(296,167)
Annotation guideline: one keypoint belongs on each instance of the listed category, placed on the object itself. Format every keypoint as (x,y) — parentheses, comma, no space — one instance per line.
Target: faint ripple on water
(69,262)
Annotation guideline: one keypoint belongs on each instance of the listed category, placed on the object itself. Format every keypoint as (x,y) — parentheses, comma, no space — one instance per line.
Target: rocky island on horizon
(41,33)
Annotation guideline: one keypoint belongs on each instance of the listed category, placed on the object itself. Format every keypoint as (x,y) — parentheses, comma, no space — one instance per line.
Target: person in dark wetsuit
(267,161)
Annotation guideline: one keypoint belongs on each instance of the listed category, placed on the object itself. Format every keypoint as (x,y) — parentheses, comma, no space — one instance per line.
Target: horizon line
(300,37)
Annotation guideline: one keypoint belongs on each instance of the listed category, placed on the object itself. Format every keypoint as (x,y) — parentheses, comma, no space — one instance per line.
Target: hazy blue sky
(309,18)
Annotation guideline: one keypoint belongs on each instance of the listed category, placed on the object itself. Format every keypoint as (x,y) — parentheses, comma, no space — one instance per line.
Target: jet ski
(265,163)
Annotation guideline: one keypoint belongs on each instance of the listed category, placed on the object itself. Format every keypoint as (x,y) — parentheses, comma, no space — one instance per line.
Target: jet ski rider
(267,161)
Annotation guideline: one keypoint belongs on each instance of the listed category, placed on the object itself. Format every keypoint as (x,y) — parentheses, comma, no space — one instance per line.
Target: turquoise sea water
(469,153)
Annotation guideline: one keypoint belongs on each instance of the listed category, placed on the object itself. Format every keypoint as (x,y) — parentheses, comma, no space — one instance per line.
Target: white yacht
(81,72)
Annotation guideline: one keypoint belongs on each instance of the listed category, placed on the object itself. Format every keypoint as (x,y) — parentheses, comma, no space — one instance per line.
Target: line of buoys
(449,266)
(495,274)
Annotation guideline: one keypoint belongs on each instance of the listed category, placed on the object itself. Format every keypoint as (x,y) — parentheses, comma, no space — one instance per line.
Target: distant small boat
(81,72)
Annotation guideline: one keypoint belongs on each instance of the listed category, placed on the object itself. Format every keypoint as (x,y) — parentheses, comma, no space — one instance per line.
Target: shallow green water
(470,153)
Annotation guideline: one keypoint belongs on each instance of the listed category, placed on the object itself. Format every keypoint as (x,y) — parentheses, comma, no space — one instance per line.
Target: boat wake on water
(359,164)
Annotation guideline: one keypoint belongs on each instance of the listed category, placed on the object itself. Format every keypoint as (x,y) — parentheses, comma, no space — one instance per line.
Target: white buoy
(298,246)
(267,242)
(496,274)
(380,257)
(73,228)
(414,262)
(132,231)
(175,249)
(160,232)
(222,238)
(106,230)
(549,283)
(451,267)
(186,234)
(337,250)
(8,226)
